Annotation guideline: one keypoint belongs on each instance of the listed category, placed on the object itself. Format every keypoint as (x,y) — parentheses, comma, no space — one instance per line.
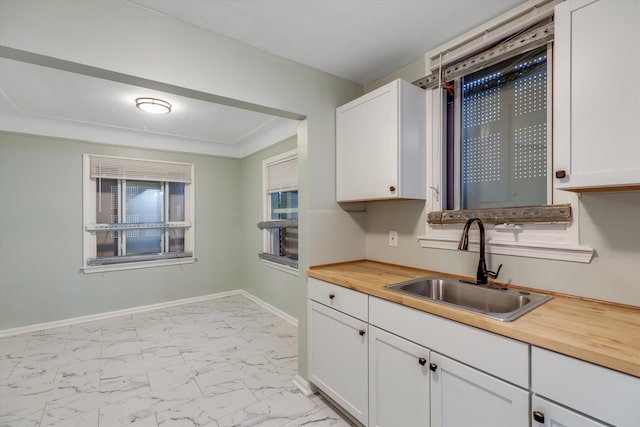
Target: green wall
(281,289)
(137,42)
(41,229)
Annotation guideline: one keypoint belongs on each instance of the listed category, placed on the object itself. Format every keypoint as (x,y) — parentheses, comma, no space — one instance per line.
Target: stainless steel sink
(498,303)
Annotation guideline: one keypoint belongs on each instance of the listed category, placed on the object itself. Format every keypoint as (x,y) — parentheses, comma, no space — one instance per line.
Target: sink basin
(498,303)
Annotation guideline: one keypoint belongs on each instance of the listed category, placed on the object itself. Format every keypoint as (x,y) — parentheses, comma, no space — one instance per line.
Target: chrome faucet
(483,273)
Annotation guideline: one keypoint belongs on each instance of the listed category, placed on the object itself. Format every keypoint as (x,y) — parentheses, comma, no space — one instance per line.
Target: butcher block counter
(603,333)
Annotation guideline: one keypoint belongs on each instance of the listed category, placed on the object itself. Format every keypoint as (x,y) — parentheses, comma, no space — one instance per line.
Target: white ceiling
(75,105)
(359,40)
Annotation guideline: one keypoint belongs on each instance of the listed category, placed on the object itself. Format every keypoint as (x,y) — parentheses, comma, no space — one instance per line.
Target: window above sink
(469,172)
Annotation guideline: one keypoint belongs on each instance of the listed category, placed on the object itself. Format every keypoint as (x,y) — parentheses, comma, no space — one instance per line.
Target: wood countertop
(603,333)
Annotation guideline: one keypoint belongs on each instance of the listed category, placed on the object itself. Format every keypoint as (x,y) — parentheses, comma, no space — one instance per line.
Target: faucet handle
(494,275)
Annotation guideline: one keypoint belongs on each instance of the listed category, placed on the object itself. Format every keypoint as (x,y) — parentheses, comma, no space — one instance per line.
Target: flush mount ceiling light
(153,105)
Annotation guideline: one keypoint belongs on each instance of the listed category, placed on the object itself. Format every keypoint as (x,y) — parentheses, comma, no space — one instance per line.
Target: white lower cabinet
(398,381)
(338,358)
(389,365)
(548,414)
(603,394)
(463,396)
(411,386)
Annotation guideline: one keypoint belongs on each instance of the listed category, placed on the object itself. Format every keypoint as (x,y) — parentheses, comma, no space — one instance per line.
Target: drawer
(499,356)
(602,393)
(348,301)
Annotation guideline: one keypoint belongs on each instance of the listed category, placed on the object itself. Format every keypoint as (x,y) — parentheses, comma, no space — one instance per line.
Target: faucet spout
(482,273)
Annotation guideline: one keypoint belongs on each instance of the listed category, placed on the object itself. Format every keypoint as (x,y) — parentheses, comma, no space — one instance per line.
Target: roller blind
(136,169)
(282,176)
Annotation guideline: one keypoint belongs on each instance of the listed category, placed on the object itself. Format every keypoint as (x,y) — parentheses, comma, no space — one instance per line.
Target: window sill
(281,267)
(544,250)
(137,265)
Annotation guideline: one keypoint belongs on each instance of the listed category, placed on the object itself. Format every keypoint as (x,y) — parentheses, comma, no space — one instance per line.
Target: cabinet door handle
(361,332)
(538,416)
(433,367)
(332,296)
(392,189)
(422,361)
(561,174)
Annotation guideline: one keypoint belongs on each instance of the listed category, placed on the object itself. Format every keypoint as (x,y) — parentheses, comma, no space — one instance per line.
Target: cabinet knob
(422,361)
(332,296)
(361,332)
(433,367)
(538,416)
(561,174)
(392,189)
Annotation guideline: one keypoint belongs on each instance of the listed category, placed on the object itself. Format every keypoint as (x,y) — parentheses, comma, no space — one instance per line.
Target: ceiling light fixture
(153,105)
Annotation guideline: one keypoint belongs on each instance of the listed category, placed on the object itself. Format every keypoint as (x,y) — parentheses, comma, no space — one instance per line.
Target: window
(284,240)
(280,225)
(489,140)
(498,135)
(137,213)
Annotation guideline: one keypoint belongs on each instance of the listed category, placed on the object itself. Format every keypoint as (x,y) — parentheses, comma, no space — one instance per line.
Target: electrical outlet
(393,238)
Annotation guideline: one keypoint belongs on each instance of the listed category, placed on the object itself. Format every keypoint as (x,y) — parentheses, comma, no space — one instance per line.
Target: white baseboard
(140,309)
(303,385)
(289,318)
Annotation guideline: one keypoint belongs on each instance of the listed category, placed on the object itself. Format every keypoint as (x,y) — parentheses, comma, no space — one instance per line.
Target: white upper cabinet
(380,145)
(596,102)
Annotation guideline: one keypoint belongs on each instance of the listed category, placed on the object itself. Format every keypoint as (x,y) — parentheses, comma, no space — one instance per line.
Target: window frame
(267,234)
(89,228)
(558,241)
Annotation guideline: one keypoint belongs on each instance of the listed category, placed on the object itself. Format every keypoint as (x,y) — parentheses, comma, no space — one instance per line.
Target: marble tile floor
(218,363)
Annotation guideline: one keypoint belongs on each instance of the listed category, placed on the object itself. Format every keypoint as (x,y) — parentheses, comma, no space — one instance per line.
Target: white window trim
(89,238)
(281,267)
(266,208)
(552,241)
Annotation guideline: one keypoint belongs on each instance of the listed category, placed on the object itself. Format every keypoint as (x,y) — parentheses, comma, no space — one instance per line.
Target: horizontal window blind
(137,169)
(282,176)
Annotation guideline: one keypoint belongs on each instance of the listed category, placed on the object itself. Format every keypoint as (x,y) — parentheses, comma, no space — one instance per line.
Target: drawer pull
(361,332)
(538,416)
(422,361)
(332,296)
(433,367)
(561,174)
(392,189)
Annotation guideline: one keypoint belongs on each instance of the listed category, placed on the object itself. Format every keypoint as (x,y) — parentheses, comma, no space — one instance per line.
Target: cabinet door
(548,414)
(338,358)
(398,381)
(463,396)
(601,393)
(367,146)
(595,121)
